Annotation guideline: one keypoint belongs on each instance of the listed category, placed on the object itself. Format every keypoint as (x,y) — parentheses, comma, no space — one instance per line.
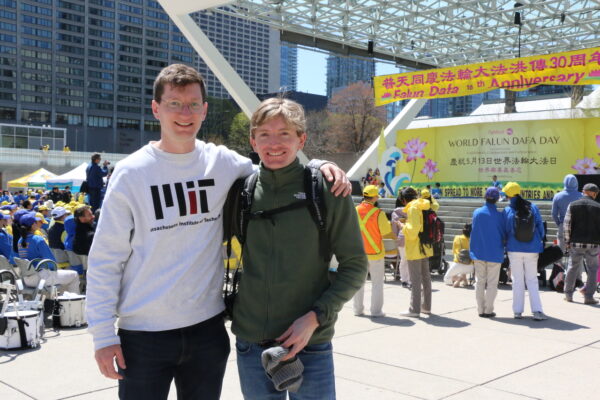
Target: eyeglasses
(195,107)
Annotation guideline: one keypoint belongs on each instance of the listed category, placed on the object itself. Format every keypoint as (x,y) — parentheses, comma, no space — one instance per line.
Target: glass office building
(289,67)
(89,66)
(251,48)
(342,71)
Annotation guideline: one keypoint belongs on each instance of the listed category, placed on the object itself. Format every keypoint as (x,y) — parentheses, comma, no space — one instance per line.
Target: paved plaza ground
(452,354)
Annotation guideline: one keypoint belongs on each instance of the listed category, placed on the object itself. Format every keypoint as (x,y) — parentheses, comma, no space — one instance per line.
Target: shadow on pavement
(438,320)
(551,323)
(392,321)
(9,355)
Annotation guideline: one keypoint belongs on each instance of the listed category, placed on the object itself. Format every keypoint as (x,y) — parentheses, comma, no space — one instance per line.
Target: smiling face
(277,142)
(180,111)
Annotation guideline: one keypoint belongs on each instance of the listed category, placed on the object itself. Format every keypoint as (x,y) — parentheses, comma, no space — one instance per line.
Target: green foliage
(218,119)
(239,134)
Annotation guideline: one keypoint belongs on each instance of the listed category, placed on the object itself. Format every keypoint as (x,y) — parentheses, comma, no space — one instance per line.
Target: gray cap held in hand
(286,375)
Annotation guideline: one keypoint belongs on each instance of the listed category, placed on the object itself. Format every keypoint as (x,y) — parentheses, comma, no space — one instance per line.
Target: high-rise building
(252,49)
(342,71)
(289,67)
(89,65)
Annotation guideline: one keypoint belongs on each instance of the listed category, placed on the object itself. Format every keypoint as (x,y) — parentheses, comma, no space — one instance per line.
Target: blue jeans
(318,382)
(195,356)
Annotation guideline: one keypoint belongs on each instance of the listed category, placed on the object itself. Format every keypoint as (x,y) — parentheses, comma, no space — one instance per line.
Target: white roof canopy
(420,34)
(424,33)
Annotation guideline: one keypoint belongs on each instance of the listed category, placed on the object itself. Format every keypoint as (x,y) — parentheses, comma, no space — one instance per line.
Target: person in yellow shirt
(462,265)
(374,227)
(417,253)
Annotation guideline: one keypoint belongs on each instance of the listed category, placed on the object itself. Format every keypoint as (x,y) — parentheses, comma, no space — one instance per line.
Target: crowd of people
(514,235)
(48,225)
(56,225)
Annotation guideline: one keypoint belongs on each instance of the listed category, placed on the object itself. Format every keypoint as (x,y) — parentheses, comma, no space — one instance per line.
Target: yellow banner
(579,67)
(464,158)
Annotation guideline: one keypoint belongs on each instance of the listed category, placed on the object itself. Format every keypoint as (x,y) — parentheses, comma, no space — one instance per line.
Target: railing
(50,158)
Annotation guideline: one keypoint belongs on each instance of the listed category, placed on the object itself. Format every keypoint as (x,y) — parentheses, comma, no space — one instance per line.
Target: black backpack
(237,214)
(433,230)
(524,223)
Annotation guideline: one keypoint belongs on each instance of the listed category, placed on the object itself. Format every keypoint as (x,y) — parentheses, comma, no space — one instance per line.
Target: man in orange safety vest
(374,227)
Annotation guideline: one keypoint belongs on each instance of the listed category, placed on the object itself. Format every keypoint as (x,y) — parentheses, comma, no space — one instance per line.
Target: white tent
(73,178)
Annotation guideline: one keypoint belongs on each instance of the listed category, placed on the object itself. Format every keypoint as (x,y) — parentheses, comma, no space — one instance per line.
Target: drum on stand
(23,329)
(72,310)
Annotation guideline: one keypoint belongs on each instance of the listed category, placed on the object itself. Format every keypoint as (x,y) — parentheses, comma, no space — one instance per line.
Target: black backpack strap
(246,205)
(545,238)
(313,187)
(21,323)
(235,222)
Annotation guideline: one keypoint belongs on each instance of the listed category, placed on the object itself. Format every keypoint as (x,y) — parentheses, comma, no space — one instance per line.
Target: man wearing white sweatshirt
(155,266)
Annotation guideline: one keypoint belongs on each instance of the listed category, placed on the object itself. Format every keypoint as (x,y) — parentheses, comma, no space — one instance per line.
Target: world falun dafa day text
(579,67)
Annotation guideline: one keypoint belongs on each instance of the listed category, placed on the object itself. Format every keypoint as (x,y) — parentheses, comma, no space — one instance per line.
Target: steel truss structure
(431,33)
(418,34)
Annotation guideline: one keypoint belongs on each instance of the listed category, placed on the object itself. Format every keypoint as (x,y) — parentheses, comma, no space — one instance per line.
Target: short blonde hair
(289,110)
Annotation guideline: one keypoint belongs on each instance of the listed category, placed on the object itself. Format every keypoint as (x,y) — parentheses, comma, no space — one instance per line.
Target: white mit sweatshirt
(156,262)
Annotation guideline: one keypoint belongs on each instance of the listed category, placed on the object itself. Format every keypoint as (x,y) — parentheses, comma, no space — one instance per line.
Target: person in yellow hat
(374,227)
(44,210)
(41,231)
(417,253)
(525,232)
(32,246)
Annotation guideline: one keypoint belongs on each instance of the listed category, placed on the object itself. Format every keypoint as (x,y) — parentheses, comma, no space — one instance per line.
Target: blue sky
(312,69)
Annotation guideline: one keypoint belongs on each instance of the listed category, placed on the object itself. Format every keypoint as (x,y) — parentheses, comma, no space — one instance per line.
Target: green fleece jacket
(285,275)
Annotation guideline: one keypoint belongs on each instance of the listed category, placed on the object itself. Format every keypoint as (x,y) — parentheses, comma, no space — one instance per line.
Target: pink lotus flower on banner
(585,166)
(598,142)
(414,149)
(430,168)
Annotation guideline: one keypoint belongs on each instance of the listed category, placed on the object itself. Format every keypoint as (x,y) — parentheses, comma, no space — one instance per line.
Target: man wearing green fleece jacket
(285,295)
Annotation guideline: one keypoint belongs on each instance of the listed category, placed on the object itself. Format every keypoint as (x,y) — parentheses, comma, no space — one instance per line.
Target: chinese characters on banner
(579,67)
(463,158)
